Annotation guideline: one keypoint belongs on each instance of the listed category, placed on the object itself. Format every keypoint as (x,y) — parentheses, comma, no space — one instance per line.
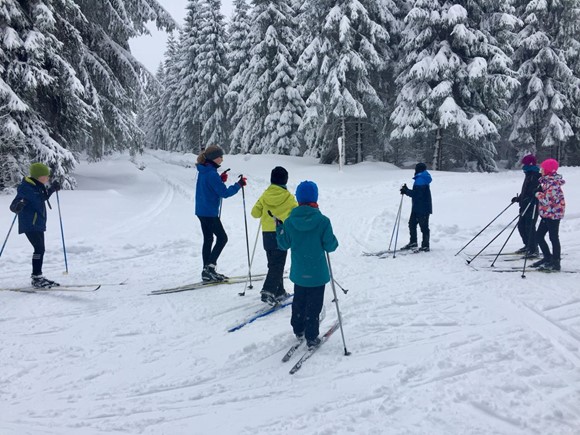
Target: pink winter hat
(529,160)
(550,166)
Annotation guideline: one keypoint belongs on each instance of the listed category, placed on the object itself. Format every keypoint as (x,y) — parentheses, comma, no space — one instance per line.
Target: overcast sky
(149,49)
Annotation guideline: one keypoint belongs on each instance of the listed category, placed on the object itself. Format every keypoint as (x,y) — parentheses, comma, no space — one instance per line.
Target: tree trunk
(437,153)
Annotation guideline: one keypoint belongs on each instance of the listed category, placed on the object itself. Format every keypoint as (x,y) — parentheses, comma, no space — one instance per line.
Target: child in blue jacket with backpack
(30,205)
(308,234)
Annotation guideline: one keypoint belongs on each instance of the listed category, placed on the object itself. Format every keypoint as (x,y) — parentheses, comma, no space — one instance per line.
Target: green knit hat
(39,170)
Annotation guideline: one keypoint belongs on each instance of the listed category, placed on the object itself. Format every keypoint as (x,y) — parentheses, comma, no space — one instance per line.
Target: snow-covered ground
(437,346)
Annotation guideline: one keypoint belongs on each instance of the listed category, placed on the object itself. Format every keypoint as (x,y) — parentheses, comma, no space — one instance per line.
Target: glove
(242,181)
(18,206)
(224,176)
(55,186)
(516,199)
(404,189)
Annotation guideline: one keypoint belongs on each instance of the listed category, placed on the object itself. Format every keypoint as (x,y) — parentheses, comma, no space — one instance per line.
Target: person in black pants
(552,206)
(528,207)
(279,202)
(421,207)
(210,189)
(30,205)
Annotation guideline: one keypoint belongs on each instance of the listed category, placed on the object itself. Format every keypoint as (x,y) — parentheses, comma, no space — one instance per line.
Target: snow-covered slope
(437,346)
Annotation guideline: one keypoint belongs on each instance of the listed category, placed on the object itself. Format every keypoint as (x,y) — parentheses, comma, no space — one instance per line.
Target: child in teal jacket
(308,234)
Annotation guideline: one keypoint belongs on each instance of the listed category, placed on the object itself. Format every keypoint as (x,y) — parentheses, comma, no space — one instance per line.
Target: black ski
(311,351)
(292,350)
(201,284)
(519,269)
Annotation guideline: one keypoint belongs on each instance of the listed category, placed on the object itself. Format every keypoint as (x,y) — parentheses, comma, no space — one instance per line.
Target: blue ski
(263,312)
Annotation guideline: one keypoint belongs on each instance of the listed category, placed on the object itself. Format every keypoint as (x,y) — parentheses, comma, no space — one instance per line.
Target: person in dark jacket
(528,207)
(309,236)
(30,205)
(422,207)
(210,189)
(276,200)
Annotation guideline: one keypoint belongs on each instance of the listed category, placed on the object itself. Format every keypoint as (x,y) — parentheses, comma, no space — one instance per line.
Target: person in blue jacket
(422,207)
(210,190)
(308,234)
(30,205)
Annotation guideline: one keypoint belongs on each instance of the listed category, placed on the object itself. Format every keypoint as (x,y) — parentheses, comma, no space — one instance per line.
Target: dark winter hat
(550,166)
(39,170)
(306,192)
(213,152)
(420,167)
(279,176)
(529,160)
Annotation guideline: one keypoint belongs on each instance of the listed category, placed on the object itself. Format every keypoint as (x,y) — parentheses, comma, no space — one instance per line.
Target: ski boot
(39,281)
(410,245)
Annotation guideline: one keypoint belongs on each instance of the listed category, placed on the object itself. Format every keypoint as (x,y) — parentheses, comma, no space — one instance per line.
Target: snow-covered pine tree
(211,76)
(150,118)
(41,106)
(183,128)
(168,111)
(339,70)
(69,80)
(270,106)
(544,111)
(112,77)
(455,79)
(238,55)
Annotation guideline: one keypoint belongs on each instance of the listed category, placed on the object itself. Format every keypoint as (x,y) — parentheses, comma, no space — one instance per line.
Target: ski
(201,284)
(519,269)
(65,288)
(292,350)
(262,312)
(389,253)
(310,352)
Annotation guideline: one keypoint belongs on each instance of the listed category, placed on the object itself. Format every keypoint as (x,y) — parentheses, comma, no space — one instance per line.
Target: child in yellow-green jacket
(280,203)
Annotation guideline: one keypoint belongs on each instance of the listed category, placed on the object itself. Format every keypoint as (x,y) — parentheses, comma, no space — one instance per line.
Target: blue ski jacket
(421,194)
(33,215)
(209,189)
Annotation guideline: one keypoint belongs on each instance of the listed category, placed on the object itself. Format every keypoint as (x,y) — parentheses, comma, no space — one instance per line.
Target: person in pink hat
(528,206)
(551,204)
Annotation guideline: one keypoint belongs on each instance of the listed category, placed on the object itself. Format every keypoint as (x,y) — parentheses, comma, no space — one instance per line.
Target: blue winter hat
(306,192)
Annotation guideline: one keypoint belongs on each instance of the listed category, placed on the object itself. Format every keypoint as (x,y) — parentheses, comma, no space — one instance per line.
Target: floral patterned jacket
(551,202)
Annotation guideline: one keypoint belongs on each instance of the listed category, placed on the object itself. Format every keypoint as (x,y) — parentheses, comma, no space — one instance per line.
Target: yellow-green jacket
(276,199)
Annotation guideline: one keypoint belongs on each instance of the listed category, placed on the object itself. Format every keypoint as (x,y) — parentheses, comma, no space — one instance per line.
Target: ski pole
(397,218)
(510,235)
(477,235)
(398,223)
(253,252)
(346,352)
(492,240)
(62,233)
(531,237)
(247,239)
(8,235)
(344,290)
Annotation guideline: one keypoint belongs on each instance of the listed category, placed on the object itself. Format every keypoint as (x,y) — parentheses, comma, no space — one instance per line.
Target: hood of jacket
(423,178)
(275,195)
(552,180)
(305,218)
